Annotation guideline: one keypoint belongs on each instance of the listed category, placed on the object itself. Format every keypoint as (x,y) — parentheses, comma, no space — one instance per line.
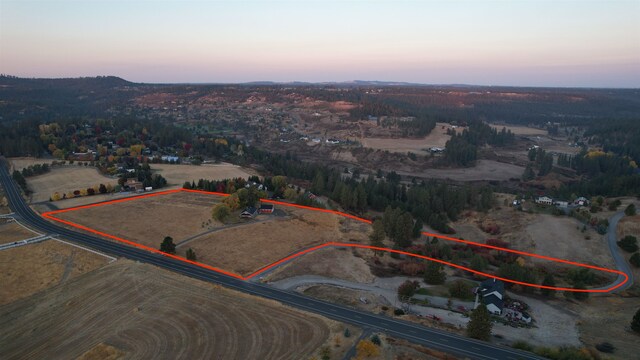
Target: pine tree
(635,323)
(528,173)
(479,326)
(378,235)
(417,229)
(191,255)
(168,246)
(433,274)
(548,281)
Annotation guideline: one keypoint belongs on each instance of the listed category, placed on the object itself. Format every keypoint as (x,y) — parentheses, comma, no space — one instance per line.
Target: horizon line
(353,82)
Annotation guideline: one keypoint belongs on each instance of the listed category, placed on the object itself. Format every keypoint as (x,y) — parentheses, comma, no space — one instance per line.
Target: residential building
(249,213)
(491,293)
(544,200)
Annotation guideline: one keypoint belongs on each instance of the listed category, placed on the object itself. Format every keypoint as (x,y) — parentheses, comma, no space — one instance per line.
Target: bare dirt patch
(178,174)
(437,138)
(148,220)
(245,249)
(146,312)
(554,325)
(28,269)
(65,179)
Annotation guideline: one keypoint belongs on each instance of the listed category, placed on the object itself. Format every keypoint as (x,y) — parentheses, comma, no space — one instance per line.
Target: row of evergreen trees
(432,202)
(462,149)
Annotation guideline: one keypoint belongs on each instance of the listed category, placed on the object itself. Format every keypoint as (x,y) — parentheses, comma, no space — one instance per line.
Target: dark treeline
(33,138)
(49,99)
(20,139)
(433,203)
(36,169)
(620,136)
(462,149)
(421,124)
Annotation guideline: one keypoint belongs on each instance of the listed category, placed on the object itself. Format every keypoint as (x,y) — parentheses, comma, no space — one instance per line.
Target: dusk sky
(511,42)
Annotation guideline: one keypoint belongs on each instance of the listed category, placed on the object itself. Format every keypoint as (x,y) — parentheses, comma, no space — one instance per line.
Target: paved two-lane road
(621,263)
(433,338)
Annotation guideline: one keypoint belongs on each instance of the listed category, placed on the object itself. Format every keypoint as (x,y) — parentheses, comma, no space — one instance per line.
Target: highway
(433,338)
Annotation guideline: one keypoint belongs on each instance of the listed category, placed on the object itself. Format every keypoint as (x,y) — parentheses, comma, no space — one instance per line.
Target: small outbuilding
(266,208)
(249,213)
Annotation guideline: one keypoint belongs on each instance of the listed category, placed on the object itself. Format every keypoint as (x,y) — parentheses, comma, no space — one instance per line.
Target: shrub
(629,243)
(522,345)
(398,312)
(497,242)
(605,347)
(460,289)
(630,210)
(635,260)
(407,289)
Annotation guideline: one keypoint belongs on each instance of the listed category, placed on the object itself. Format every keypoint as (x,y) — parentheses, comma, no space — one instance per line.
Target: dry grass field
(247,248)
(608,319)
(520,130)
(19,163)
(147,221)
(178,174)
(336,263)
(629,225)
(561,237)
(555,236)
(65,179)
(437,138)
(242,247)
(86,200)
(12,231)
(28,269)
(483,170)
(144,312)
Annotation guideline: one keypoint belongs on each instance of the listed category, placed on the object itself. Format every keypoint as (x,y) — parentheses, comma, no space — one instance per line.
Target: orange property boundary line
(50,215)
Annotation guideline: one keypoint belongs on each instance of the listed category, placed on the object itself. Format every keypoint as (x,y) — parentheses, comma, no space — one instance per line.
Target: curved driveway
(621,263)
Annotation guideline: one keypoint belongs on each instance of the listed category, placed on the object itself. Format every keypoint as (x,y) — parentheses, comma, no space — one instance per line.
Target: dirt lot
(483,170)
(147,221)
(245,249)
(330,262)
(12,231)
(178,174)
(28,269)
(65,179)
(146,312)
(437,138)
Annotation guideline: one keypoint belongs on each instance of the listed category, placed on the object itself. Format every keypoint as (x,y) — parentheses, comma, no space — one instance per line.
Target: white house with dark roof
(491,293)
